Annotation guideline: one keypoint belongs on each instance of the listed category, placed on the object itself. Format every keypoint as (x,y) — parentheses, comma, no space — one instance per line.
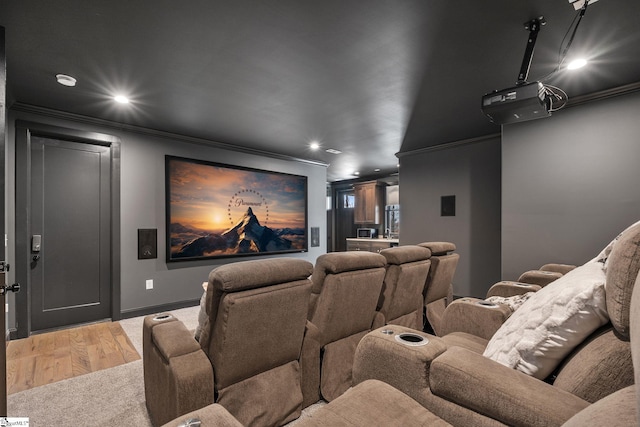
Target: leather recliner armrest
(178,375)
(558,268)
(509,396)
(474,316)
(507,288)
(173,339)
(539,277)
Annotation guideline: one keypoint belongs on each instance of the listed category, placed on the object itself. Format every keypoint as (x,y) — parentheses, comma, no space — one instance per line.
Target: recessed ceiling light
(577,63)
(66,80)
(314,145)
(333,151)
(356,173)
(121,99)
(376,170)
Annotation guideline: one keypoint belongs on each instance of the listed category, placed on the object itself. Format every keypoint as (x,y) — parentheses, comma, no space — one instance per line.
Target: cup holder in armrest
(411,339)
(487,304)
(161,317)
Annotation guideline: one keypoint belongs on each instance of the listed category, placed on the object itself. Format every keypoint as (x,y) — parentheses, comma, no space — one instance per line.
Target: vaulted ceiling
(369,78)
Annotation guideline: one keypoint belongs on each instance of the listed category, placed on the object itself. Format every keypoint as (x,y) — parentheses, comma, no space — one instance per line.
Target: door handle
(13,288)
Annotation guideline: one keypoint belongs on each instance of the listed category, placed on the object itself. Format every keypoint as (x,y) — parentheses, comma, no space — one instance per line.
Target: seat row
(279,334)
(566,360)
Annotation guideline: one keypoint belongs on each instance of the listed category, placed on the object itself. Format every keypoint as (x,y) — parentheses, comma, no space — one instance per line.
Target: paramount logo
(242,202)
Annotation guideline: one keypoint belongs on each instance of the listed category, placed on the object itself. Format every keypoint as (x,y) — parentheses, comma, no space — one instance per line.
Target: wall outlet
(149,284)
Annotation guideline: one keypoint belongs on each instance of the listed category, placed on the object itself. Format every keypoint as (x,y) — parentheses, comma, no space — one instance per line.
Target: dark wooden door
(70,248)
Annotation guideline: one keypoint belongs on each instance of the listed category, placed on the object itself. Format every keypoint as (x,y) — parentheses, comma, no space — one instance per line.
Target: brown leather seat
(247,358)
(401,299)
(346,288)
(438,290)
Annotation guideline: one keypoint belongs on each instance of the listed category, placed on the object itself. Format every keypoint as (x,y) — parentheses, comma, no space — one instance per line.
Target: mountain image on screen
(246,237)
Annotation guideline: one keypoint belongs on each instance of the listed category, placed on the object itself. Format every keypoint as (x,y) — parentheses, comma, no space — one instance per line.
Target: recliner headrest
(244,275)
(338,262)
(404,254)
(439,248)
(635,333)
(622,267)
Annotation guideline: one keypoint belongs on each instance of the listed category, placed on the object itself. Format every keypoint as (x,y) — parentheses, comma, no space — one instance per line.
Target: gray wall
(570,183)
(471,172)
(143,206)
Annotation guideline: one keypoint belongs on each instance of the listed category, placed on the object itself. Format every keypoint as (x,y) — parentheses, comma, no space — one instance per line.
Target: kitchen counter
(364,239)
(371,245)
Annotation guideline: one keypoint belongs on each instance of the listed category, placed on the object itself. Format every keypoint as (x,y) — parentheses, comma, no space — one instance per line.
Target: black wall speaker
(147,243)
(448,206)
(315,237)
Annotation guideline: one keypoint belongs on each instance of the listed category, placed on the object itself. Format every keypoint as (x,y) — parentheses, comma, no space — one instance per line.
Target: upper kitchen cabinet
(369,202)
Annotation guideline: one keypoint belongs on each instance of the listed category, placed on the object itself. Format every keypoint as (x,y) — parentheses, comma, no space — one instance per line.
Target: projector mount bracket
(533,26)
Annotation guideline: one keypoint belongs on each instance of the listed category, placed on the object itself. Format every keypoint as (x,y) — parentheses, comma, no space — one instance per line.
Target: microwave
(367,233)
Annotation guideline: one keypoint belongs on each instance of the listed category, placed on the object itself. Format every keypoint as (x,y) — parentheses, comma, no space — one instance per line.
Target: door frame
(3,217)
(23,132)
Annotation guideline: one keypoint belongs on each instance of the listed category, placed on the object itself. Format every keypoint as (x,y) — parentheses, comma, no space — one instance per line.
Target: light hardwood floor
(55,356)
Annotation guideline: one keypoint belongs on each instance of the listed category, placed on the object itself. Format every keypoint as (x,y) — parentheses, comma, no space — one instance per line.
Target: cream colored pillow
(544,330)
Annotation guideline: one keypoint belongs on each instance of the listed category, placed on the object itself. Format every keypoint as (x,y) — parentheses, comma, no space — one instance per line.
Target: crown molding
(448,145)
(63,115)
(573,102)
(603,94)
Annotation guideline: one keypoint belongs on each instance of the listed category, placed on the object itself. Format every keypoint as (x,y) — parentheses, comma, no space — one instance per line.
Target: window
(348,201)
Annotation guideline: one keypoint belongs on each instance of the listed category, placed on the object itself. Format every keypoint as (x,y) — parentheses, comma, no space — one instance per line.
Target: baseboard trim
(137,312)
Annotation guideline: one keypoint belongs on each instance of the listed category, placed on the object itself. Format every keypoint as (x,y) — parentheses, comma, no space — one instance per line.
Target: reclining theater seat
(483,318)
(373,403)
(248,355)
(401,299)
(545,274)
(452,377)
(438,290)
(345,292)
(530,281)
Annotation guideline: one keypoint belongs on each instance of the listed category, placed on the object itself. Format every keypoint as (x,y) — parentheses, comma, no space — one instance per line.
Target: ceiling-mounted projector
(525,101)
(516,104)
(528,101)
(578,4)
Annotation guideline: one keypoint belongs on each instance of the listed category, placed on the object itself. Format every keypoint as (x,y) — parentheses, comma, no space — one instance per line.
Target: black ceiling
(368,77)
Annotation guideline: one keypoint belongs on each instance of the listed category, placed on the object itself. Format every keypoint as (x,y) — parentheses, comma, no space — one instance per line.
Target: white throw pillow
(544,330)
(514,302)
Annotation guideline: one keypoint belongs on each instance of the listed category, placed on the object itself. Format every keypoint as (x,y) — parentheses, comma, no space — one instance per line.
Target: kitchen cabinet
(369,202)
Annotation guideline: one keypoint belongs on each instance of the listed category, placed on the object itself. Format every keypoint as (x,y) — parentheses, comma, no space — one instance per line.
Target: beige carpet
(111,397)
(133,326)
